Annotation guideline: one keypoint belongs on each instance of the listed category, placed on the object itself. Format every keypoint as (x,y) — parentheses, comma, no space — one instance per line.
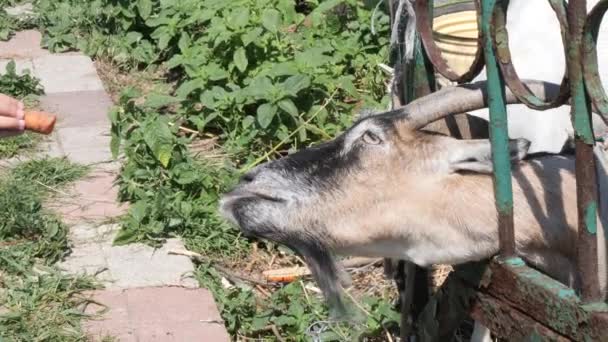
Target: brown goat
(385,188)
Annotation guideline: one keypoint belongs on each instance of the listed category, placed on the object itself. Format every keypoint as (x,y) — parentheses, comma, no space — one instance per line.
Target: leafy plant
(297,314)
(261,77)
(20,86)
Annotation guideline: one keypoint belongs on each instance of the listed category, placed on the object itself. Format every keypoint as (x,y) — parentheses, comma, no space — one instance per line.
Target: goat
(386,188)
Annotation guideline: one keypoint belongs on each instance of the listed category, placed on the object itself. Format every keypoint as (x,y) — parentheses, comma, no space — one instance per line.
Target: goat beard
(328,274)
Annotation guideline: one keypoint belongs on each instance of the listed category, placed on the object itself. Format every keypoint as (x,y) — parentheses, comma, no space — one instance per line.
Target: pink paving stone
(157,314)
(114,322)
(24,44)
(90,199)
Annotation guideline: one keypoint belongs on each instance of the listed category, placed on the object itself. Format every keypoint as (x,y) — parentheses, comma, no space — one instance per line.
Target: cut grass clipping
(37,302)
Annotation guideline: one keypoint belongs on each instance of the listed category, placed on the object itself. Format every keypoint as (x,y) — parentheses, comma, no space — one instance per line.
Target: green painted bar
(499,137)
(586,176)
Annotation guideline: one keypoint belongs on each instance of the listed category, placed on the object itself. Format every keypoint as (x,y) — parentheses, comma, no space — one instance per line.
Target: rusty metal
(513,324)
(424,26)
(499,137)
(545,300)
(500,37)
(515,300)
(586,173)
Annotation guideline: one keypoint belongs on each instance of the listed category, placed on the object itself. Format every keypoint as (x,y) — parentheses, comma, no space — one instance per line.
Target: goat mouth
(231,200)
(239,194)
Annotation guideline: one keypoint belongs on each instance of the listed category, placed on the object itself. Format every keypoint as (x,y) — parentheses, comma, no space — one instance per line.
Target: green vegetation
(259,78)
(37,301)
(10,24)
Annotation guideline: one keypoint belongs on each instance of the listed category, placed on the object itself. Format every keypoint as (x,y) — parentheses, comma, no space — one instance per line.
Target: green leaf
(164,40)
(133,37)
(271,20)
(347,84)
(145,8)
(52,230)
(188,87)
(159,100)
(247,121)
(11,68)
(260,88)
(283,69)
(258,323)
(138,211)
(288,106)
(266,113)
(125,236)
(296,83)
(159,139)
(240,59)
(251,35)
(184,42)
(115,144)
(239,17)
(285,321)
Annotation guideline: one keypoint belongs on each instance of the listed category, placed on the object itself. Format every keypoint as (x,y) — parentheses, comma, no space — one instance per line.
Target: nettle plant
(260,69)
(256,74)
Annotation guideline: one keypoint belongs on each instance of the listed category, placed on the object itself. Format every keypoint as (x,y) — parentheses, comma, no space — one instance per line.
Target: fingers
(11,126)
(10,107)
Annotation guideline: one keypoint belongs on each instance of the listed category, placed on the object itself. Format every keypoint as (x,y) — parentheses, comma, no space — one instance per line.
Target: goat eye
(370,138)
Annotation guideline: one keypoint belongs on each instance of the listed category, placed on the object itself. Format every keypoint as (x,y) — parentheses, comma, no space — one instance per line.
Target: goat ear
(476,155)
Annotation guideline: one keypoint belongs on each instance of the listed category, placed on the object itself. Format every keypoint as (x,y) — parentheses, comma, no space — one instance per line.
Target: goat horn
(464,98)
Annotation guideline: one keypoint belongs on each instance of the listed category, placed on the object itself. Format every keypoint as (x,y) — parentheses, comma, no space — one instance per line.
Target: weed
(294,312)
(19,86)
(37,302)
(10,147)
(44,306)
(259,77)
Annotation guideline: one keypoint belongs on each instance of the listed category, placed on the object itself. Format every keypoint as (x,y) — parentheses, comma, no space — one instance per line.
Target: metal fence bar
(499,136)
(586,174)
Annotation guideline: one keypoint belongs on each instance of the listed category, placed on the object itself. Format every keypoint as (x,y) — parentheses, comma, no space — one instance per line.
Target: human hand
(11,116)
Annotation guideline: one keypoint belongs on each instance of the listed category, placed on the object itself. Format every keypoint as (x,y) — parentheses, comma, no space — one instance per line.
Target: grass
(37,301)
(10,147)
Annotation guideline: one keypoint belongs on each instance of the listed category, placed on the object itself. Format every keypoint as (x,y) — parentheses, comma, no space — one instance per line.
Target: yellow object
(456,36)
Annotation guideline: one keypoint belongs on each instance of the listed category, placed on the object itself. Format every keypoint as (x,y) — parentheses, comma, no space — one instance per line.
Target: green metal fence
(581,86)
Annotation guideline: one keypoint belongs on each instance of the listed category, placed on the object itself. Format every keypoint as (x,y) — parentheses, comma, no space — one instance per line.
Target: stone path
(151,295)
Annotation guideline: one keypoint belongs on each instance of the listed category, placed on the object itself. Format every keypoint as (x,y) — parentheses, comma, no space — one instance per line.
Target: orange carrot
(40,122)
(286,275)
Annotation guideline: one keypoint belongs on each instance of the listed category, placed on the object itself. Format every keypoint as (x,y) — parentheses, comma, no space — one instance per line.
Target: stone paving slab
(21,10)
(66,73)
(133,265)
(25,44)
(79,109)
(85,145)
(92,199)
(157,314)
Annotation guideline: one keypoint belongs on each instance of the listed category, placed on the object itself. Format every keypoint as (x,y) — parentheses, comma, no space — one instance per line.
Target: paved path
(150,294)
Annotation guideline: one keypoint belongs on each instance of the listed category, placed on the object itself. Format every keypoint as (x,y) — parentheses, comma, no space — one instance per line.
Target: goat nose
(249,176)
